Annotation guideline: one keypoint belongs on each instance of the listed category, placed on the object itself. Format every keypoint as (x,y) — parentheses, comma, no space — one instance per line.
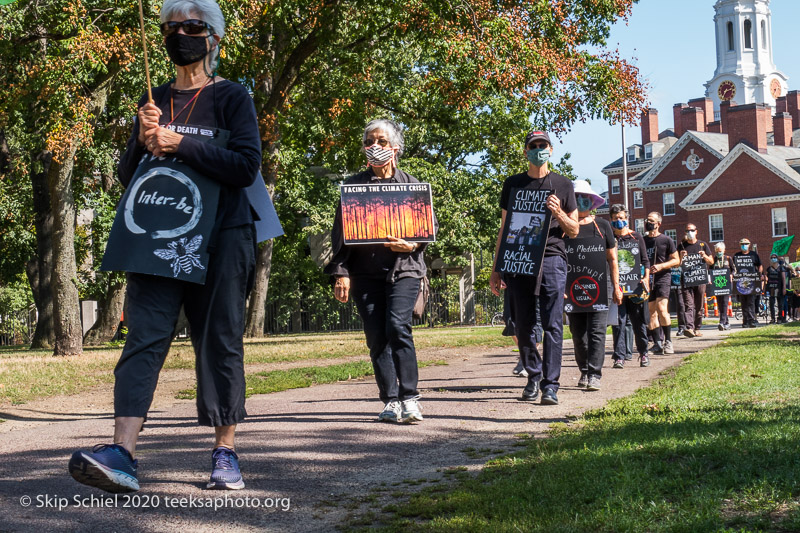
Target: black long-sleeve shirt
(222,104)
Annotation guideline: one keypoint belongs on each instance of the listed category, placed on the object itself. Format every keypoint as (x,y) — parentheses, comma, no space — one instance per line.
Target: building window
(763,35)
(648,151)
(672,234)
(715,228)
(639,225)
(615,186)
(779,226)
(748,34)
(669,203)
(631,154)
(638,199)
(730,36)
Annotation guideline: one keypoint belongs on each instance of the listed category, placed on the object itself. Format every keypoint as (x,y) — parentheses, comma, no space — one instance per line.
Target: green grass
(27,375)
(299,378)
(713,446)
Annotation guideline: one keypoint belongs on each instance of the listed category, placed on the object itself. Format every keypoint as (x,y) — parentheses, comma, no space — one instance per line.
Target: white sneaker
(668,349)
(411,411)
(390,413)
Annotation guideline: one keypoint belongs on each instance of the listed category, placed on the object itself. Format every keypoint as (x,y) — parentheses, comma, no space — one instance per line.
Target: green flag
(782,246)
(6,2)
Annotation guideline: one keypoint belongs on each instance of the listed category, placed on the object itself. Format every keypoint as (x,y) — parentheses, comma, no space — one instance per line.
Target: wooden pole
(144,47)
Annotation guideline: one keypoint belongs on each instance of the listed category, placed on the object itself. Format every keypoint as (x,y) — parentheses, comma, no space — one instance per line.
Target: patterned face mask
(378,156)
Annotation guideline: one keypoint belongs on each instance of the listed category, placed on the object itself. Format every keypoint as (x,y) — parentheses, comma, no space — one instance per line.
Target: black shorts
(659,290)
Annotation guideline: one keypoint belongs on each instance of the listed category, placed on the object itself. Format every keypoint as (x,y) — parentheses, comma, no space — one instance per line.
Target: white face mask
(378,156)
(691,234)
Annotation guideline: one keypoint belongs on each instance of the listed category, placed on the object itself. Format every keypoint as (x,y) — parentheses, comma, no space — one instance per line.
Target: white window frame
(664,204)
(638,225)
(712,227)
(648,151)
(615,186)
(785,222)
(638,199)
(631,154)
(672,234)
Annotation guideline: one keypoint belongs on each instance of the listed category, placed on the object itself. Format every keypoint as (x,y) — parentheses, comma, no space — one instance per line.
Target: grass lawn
(713,446)
(26,375)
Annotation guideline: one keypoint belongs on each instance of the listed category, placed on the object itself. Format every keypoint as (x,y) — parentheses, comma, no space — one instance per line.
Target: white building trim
(667,158)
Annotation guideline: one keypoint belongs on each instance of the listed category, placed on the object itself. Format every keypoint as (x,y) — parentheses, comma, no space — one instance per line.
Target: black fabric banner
(630,265)
(694,271)
(525,233)
(166,217)
(720,282)
(587,275)
(747,280)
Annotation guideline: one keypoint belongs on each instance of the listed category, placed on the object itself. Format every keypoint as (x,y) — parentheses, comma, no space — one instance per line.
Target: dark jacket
(406,265)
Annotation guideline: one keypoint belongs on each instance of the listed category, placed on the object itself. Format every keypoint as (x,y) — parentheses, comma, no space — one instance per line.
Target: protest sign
(694,271)
(587,275)
(630,266)
(720,282)
(525,233)
(747,280)
(371,212)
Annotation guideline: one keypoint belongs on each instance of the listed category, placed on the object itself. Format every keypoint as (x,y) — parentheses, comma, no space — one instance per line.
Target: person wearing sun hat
(748,300)
(589,329)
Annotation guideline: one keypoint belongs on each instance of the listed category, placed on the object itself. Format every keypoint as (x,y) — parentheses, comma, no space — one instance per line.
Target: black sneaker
(679,333)
(619,363)
(530,392)
(549,397)
(108,466)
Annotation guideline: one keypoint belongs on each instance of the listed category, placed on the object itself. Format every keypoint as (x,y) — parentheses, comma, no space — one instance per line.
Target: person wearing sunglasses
(544,370)
(196,100)
(384,280)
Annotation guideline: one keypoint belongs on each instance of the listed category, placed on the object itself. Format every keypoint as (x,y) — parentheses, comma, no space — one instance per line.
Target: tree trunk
(110,311)
(66,300)
(257,306)
(40,267)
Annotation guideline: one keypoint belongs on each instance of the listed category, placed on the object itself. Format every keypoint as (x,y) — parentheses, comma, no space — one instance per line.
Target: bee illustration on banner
(182,254)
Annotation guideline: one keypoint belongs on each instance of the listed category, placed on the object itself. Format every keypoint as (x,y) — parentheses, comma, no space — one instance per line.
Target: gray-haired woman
(385,281)
(217,108)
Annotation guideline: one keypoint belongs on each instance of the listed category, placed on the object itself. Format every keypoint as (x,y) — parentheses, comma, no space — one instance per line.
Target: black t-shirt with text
(659,249)
(695,248)
(561,187)
(643,258)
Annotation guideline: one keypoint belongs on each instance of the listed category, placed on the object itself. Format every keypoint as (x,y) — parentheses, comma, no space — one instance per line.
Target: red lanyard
(193,101)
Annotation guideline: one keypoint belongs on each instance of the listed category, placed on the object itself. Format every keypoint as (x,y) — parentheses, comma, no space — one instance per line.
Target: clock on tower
(726,91)
(775,88)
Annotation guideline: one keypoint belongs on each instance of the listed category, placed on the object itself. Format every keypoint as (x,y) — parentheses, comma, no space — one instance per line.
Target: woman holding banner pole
(385,281)
(723,261)
(206,127)
(589,328)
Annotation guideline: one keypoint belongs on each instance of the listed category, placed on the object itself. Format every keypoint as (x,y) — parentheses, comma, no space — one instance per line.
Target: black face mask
(649,226)
(186,49)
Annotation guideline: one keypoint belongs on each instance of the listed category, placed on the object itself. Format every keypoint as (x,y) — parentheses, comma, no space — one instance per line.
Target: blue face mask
(584,203)
(619,224)
(745,247)
(539,156)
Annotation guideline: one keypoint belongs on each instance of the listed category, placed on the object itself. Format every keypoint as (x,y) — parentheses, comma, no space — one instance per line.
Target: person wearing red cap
(544,370)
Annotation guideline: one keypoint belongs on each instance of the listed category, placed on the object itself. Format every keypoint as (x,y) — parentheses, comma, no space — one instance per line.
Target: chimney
(707,105)
(649,125)
(724,107)
(692,119)
(780,105)
(793,107)
(676,119)
(746,124)
(714,127)
(782,124)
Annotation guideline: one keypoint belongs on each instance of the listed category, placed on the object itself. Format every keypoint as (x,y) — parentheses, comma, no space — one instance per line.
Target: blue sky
(672,42)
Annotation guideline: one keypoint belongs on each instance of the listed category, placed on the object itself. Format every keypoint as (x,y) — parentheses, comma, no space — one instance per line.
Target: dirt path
(317,451)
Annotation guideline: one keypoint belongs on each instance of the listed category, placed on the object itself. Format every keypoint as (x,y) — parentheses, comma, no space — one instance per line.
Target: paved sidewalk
(315,450)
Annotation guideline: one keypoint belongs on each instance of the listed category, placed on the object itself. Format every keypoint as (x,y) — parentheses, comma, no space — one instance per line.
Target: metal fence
(17,328)
(443,309)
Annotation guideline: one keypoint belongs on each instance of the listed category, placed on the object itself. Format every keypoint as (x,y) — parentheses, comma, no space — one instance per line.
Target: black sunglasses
(541,146)
(190,27)
(381,142)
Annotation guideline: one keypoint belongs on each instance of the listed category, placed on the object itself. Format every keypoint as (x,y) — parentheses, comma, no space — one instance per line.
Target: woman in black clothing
(589,329)
(385,280)
(222,143)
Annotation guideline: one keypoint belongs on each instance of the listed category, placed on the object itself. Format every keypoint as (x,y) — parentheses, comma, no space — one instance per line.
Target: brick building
(732,170)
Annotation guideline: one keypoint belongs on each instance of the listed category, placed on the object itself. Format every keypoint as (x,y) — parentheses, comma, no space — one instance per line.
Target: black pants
(636,313)
(589,337)
(385,309)
(545,368)
(693,306)
(780,299)
(216,313)
(722,304)
(748,308)
(681,307)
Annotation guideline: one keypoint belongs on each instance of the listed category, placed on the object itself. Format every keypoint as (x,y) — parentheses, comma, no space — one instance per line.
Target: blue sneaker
(225,474)
(108,466)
